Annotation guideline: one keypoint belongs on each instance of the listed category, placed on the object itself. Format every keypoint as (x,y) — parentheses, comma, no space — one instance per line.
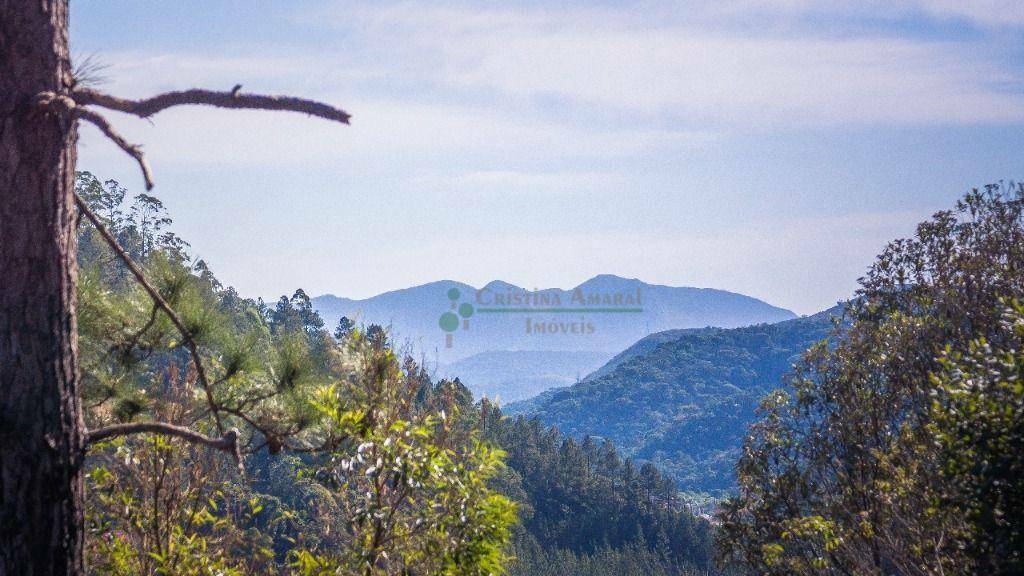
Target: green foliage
(160,506)
(384,473)
(414,484)
(978,414)
(896,449)
(584,510)
(356,462)
(634,559)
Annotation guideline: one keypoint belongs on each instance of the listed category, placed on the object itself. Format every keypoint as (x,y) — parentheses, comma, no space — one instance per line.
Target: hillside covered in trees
(894,443)
(586,510)
(683,399)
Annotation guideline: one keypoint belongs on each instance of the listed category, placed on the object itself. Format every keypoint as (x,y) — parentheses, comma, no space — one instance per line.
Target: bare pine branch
(221,99)
(228,442)
(132,150)
(70,108)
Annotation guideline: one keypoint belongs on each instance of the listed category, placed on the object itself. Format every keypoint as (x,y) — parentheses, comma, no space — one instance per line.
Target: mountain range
(557,335)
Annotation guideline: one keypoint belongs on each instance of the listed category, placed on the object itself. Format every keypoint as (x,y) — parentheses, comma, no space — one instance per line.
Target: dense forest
(585,510)
(157,504)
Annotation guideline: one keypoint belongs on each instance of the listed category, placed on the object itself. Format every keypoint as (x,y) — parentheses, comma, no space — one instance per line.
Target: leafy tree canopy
(897,450)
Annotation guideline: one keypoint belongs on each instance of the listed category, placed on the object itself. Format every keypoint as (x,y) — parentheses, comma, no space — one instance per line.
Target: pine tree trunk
(41,429)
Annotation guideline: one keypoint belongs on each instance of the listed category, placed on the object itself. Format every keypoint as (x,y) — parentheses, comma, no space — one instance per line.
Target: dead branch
(75,106)
(139,275)
(226,443)
(70,108)
(221,99)
(132,150)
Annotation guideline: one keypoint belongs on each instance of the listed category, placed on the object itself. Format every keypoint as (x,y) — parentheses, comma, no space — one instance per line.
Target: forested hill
(586,511)
(683,399)
(648,343)
(644,346)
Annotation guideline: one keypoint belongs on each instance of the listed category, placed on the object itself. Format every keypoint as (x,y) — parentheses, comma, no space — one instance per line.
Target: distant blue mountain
(413,314)
(600,317)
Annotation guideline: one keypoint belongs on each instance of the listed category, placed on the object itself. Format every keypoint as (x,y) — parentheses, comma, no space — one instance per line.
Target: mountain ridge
(604,314)
(682,398)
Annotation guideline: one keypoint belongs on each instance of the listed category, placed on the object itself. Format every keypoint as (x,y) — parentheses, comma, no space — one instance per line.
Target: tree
(858,466)
(43,433)
(354,420)
(416,489)
(376,335)
(344,329)
(978,414)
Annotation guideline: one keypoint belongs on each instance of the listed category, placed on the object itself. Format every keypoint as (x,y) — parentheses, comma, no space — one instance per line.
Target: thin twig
(186,336)
(134,340)
(71,109)
(132,150)
(221,99)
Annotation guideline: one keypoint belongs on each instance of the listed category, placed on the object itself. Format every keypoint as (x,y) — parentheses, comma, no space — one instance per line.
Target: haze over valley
(519,342)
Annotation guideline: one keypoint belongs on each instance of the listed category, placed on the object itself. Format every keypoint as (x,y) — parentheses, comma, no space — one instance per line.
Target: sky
(768,148)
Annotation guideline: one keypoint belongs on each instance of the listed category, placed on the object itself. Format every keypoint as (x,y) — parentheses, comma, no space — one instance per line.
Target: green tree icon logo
(449,321)
(465,310)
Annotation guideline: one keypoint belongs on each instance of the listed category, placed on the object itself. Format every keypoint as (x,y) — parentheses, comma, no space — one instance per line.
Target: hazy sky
(769,148)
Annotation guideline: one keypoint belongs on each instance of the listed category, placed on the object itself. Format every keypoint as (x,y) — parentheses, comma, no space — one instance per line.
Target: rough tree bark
(41,427)
(42,434)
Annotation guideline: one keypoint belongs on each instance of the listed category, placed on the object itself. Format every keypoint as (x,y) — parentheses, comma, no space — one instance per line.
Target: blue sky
(769,148)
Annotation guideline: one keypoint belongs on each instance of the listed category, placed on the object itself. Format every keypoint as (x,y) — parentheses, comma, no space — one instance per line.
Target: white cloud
(707,72)
(498,183)
(444,79)
(736,81)
(997,13)
(381,132)
(981,13)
